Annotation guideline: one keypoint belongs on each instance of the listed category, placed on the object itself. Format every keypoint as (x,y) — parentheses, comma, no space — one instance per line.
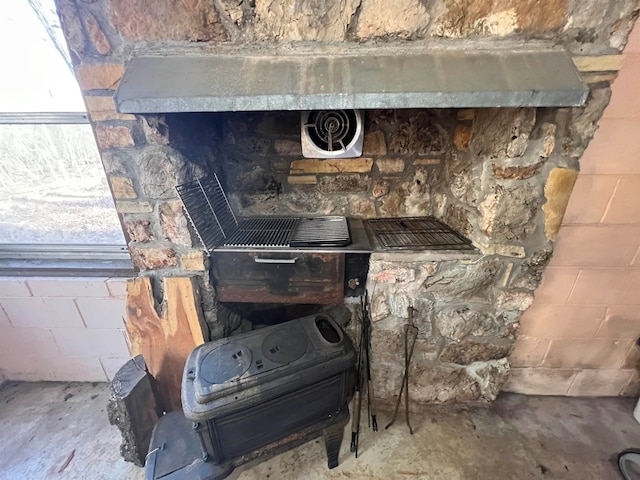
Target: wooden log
(165,340)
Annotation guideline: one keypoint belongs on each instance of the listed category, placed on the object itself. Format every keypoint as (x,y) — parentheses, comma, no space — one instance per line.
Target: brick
(462,137)
(621,322)
(561,321)
(288,148)
(632,389)
(540,381)
(113,137)
(312,165)
(117,287)
(103,76)
(42,312)
(586,353)
(633,358)
(122,187)
(133,207)
(102,312)
(598,63)
(192,261)
(302,180)
(374,143)
(13,287)
(589,198)
(614,148)
(600,383)
(528,352)
(112,365)
(90,343)
(70,369)
(597,246)
(607,286)
(625,202)
(390,166)
(625,101)
(103,109)
(556,285)
(27,341)
(68,287)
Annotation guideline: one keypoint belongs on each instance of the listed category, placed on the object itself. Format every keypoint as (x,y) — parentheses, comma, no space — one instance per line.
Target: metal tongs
(410,336)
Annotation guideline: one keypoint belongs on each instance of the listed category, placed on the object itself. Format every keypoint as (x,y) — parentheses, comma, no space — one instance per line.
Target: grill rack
(417,232)
(208,209)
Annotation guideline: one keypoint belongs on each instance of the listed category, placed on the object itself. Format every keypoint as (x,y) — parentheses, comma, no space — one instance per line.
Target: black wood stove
(255,395)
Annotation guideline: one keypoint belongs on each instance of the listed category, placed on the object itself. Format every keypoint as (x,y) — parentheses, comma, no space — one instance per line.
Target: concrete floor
(516,437)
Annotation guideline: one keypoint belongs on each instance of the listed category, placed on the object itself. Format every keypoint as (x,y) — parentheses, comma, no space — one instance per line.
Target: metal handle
(289,261)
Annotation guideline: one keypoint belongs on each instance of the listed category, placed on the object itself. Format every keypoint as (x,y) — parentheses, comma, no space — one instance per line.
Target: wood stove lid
(225,363)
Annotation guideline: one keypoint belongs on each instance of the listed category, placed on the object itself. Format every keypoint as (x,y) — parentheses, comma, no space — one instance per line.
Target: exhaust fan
(332,134)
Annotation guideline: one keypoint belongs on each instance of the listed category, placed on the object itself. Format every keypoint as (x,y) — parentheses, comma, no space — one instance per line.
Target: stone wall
(500,176)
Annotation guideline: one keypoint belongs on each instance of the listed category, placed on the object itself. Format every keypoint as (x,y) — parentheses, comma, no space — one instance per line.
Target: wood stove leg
(332,441)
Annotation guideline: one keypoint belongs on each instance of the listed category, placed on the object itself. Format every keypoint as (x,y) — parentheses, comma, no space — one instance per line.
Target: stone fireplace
(499,176)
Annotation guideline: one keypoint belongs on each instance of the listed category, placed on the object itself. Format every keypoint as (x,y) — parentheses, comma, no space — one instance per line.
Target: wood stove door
(288,277)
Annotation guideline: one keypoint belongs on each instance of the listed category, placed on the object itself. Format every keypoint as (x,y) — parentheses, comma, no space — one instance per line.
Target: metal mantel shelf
(438,79)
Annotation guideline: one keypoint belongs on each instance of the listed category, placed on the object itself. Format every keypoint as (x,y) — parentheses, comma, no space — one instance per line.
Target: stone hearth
(500,176)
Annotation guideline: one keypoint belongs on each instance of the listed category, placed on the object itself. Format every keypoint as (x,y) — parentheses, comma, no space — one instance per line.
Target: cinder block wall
(578,338)
(64,329)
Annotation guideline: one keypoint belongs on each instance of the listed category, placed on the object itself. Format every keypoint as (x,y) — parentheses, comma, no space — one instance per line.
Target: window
(55,200)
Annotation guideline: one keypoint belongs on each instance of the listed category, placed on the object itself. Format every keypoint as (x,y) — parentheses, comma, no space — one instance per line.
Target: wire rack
(417,232)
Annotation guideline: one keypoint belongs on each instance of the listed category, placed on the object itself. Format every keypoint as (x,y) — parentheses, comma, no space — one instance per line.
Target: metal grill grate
(263,232)
(209,211)
(417,232)
(322,231)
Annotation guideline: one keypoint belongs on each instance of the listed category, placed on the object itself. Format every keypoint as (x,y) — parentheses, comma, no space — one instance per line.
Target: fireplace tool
(364,381)
(410,336)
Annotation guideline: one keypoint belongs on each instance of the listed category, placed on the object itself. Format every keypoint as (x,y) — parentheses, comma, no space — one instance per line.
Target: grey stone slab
(441,79)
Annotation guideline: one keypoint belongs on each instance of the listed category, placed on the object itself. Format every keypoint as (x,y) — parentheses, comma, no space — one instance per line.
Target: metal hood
(439,79)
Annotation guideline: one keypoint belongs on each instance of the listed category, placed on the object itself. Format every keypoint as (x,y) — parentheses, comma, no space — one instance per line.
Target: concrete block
(587,353)
(625,203)
(625,101)
(70,369)
(68,287)
(23,368)
(111,365)
(556,285)
(621,321)
(562,321)
(13,287)
(42,312)
(614,148)
(91,343)
(540,381)
(598,245)
(589,198)
(117,287)
(4,319)
(607,286)
(528,352)
(102,312)
(600,383)
(25,342)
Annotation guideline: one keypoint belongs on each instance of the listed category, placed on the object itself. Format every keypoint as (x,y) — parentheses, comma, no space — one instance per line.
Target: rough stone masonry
(502,177)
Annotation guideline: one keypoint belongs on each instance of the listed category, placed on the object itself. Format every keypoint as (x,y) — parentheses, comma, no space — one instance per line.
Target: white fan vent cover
(332,134)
